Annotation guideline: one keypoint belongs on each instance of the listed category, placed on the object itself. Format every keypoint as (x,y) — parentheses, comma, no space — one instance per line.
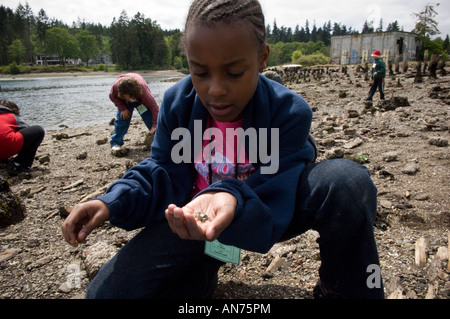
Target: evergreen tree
(446,45)
(394,26)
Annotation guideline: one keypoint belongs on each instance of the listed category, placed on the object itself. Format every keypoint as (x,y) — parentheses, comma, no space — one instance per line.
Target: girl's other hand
(186,222)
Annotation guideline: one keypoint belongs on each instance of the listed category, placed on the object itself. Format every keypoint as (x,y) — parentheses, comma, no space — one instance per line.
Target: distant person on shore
(378,75)
(18,138)
(273,76)
(130,91)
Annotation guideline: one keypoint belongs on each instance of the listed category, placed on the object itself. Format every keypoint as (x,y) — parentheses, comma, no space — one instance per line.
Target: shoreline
(31,76)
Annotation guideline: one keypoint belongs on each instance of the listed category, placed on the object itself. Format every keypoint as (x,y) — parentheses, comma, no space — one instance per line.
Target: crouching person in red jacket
(18,138)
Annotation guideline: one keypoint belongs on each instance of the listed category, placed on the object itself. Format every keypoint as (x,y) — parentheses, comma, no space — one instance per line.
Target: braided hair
(229,11)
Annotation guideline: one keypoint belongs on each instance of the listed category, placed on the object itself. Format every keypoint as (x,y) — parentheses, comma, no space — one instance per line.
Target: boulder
(12,211)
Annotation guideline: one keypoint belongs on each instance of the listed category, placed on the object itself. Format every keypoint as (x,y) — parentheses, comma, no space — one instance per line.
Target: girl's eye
(200,74)
(235,74)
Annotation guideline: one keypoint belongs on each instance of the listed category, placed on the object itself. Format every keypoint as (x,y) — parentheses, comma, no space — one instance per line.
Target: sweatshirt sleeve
(150,103)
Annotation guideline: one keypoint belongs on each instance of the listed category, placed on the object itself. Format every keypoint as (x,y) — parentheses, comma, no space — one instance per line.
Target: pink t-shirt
(225,155)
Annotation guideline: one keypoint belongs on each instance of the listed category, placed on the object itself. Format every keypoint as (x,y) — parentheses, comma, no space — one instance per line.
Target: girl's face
(225,61)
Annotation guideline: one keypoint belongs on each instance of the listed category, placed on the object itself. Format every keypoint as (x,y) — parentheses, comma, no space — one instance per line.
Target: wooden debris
(99,192)
(64,136)
(276,264)
(420,254)
(73,185)
(8,254)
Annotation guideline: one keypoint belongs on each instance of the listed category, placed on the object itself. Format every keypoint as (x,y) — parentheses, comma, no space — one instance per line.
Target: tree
(16,51)
(6,33)
(393,26)
(426,25)
(367,27)
(446,44)
(380,26)
(42,25)
(61,43)
(88,46)
(24,23)
(138,43)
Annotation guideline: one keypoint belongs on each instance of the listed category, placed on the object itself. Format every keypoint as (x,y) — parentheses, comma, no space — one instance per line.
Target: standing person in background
(130,91)
(17,137)
(378,75)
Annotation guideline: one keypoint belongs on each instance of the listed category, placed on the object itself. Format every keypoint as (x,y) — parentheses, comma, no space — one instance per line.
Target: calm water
(70,101)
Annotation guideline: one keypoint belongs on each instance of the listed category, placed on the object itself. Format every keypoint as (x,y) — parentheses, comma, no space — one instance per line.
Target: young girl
(128,92)
(189,206)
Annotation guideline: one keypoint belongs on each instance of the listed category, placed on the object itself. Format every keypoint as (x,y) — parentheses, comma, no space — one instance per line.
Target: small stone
(353,114)
(397,294)
(437,141)
(335,152)
(82,156)
(97,255)
(423,197)
(44,159)
(411,169)
(33,243)
(390,156)
(102,141)
(354,143)
(61,136)
(350,131)
(122,152)
(64,288)
(386,204)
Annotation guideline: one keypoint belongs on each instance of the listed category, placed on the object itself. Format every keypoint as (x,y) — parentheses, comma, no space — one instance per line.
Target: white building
(44,59)
(358,48)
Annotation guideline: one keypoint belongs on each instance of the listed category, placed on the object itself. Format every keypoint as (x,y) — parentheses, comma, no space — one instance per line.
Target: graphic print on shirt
(223,168)
(222,156)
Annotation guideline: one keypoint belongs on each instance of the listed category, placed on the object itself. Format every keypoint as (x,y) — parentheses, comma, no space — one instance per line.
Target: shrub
(317,58)
(14,68)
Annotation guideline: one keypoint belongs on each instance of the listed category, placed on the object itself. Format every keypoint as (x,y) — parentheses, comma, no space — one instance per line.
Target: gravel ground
(405,147)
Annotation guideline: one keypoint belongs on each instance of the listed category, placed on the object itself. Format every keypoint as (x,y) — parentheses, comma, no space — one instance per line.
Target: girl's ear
(264,59)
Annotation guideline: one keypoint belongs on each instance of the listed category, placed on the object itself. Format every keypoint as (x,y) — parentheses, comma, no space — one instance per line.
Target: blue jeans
(121,125)
(337,198)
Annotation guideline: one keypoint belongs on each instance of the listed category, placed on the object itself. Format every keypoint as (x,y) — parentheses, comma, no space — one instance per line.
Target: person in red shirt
(128,92)
(18,138)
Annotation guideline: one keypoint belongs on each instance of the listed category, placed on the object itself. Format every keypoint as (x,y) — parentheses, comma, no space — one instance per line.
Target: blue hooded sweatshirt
(266,202)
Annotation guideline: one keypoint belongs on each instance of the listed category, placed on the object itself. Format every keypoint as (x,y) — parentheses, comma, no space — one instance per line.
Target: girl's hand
(219,209)
(126,115)
(83,219)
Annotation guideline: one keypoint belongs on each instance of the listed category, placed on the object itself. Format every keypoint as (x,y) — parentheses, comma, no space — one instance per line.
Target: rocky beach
(403,142)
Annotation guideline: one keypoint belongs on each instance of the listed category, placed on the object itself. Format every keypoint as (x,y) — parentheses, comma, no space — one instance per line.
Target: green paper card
(141,109)
(225,253)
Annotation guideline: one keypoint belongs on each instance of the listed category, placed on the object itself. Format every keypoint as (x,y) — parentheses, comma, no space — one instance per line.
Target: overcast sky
(171,14)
